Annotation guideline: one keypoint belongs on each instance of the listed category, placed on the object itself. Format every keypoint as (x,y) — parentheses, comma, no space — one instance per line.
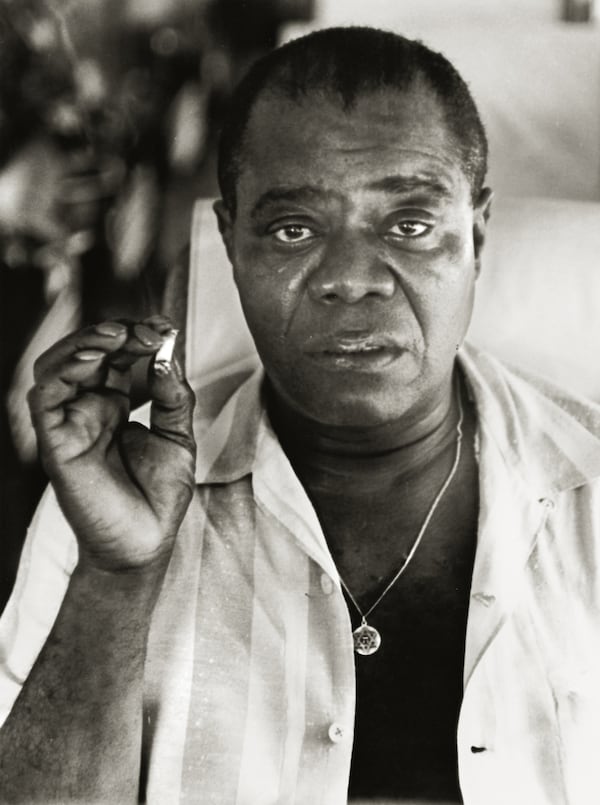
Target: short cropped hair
(345,63)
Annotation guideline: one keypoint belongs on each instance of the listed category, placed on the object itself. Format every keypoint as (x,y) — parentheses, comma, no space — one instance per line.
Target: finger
(123,343)
(108,337)
(60,383)
(162,324)
(86,369)
(88,422)
(99,414)
(171,414)
(118,380)
(143,340)
(60,399)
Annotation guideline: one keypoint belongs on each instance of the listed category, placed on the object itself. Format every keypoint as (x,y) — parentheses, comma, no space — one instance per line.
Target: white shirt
(249,692)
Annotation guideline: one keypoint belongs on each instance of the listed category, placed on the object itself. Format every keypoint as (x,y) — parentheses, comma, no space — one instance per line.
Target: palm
(129,495)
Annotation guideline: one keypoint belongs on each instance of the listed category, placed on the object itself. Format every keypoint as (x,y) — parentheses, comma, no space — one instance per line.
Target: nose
(351,270)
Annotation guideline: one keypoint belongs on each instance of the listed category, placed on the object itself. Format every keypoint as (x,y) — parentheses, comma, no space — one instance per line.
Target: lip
(355,352)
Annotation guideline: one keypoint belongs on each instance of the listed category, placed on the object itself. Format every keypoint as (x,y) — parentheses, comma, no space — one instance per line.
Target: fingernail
(158,323)
(147,336)
(157,318)
(89,355)
(112,328)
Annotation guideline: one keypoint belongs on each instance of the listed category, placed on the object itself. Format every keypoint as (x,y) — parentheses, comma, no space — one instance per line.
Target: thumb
(171,413)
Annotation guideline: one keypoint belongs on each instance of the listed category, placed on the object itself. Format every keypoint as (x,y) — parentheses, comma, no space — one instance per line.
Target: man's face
(353,253)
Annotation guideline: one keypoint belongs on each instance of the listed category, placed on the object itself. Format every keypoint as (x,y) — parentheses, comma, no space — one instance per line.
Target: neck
(313,445)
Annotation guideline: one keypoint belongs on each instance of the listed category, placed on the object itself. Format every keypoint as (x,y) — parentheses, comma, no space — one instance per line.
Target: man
(288,622)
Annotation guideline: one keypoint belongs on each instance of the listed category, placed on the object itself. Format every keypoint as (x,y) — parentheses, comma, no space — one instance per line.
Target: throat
(373,490)
(357,461)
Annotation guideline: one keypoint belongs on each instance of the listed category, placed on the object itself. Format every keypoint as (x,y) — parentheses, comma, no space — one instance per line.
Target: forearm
(74,733)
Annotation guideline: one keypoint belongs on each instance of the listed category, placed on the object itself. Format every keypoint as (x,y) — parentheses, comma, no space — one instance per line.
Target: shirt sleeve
(48,558)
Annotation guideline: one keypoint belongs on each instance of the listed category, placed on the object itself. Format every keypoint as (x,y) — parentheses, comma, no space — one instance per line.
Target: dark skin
(356,230)
(124,489)
(354,495)
(355,249)
(371,509)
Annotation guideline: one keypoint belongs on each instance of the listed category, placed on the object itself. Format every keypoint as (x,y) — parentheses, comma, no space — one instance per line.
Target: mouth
(364,353)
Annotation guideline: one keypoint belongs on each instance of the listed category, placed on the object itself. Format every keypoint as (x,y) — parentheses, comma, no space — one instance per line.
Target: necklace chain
(426,521)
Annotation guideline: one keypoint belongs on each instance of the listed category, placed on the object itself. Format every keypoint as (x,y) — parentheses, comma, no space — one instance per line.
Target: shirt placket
(512,515)
(330,683)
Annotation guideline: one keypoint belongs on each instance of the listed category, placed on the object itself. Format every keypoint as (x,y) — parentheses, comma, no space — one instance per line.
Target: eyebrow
(393,185)
(397,185)
(299,195)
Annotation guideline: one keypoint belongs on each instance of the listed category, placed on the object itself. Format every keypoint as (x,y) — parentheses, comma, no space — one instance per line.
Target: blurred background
(109,115)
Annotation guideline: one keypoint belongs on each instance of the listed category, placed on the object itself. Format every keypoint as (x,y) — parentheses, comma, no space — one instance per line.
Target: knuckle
(187,396)
(36,371)
(74,341)
(32,395)
(40,364)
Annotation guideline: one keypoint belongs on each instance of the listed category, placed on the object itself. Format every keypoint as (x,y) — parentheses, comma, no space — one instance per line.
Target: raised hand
(124,488)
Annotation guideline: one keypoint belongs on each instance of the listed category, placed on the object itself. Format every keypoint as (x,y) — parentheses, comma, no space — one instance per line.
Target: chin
(350,399)
(365,400)
(352,411)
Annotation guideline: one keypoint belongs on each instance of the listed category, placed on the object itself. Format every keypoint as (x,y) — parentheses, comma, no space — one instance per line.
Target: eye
(292,233)
(409,229)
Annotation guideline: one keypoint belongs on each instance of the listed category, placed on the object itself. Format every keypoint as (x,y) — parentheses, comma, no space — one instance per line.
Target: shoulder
(550,433)
(527,391)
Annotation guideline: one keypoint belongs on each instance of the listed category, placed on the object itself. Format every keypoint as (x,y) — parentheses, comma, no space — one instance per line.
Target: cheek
(453,254)
(444,302)
(459,277)
(268,308)
(271,287)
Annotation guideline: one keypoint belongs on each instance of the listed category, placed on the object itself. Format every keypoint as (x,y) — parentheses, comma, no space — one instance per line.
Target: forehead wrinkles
(411,121)
(383,101)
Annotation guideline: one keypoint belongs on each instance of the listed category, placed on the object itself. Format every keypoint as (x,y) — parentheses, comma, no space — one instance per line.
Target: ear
(225,223)
(481,214)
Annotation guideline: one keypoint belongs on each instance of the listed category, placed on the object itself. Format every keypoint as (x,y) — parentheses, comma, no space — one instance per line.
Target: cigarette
(164,357)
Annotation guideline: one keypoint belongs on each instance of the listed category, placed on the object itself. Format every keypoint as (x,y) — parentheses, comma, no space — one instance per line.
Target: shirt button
(326,584)
(336,733)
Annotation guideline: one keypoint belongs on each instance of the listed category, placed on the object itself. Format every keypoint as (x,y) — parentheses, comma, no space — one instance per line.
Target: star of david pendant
(366,639)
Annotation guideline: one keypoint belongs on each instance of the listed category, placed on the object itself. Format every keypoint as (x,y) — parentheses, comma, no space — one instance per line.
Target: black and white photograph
(300,383)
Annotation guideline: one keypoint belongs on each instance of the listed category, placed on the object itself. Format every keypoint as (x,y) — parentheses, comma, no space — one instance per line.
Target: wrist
(135,588)
(142,563)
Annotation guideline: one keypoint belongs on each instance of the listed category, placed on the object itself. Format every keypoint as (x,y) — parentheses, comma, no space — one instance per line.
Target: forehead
(316,141)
